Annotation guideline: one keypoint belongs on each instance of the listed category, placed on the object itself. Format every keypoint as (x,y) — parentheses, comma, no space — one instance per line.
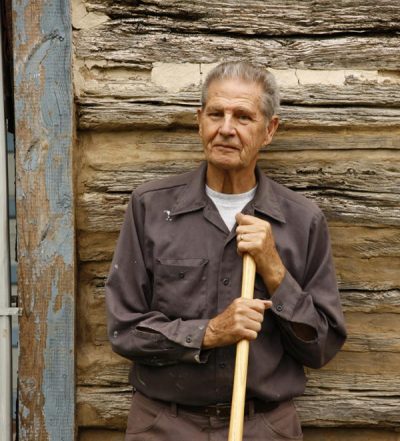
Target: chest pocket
(180,288)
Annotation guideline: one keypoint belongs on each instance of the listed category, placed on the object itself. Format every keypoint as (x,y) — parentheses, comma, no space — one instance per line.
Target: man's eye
(244,118)
(215,114)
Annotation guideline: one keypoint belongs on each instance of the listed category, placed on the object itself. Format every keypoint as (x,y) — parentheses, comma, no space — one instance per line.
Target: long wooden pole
(242,358)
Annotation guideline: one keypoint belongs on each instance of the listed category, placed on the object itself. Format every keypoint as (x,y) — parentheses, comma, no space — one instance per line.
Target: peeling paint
(59,367)
(44,127)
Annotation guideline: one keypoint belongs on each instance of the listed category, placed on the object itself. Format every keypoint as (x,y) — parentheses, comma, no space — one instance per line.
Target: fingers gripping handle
(242,357)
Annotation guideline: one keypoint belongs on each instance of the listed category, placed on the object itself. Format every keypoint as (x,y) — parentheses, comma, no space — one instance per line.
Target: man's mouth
(226,146)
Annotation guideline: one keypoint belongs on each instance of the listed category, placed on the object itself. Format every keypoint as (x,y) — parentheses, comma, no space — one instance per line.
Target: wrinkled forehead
(234,90)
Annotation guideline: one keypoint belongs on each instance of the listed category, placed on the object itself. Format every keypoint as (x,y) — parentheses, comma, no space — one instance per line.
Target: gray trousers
(151,420)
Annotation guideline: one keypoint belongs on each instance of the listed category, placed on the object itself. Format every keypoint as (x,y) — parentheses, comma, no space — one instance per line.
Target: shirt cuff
(189,335)
(292,304)
(286,297)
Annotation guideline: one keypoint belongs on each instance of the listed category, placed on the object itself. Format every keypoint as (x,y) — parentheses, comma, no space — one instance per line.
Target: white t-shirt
(229,205)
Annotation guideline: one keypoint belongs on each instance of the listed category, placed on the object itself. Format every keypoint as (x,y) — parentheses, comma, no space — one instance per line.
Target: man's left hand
(254,236)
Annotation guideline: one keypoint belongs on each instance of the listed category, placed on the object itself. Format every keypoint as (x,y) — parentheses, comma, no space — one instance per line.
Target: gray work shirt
(176,266)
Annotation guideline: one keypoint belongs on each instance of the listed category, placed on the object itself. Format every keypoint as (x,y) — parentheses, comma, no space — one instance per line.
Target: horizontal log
(99,366)
(180,84)
(372,332)
(376,273)
(348,409)
(253,18)
(371,301)
(364,242)
(108,114)
(114,41)
(369,171)
(108,407)
(105,407)
(367,340)
(371,363)
(162,142)
(370,372)
(347,241)
(355,434)
(372,317)
(104,212)
(357,207)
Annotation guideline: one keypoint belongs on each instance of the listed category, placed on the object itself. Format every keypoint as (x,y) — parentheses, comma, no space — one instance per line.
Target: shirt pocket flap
(180,287)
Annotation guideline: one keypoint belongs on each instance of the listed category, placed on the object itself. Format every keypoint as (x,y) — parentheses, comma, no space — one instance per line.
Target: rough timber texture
(282,18)
(45,219)
(138,69)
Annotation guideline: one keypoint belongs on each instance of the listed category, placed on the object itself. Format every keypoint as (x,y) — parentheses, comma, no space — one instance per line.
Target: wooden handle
(242,358)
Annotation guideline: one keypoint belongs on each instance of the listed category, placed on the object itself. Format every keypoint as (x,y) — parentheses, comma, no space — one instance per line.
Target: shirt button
(181,275)
(279,307)
(225,281)
(222,365)
(188,339)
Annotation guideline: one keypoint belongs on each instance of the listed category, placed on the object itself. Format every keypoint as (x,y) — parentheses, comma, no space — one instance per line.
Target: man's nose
(227,128)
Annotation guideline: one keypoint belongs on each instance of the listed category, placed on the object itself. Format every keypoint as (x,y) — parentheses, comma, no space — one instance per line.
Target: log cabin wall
(138,67)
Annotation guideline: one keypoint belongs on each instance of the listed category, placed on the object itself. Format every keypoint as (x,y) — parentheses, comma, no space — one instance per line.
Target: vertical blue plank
(45,217)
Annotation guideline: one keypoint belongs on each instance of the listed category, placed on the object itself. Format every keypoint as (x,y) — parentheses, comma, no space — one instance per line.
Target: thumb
(239,217)
(267,304)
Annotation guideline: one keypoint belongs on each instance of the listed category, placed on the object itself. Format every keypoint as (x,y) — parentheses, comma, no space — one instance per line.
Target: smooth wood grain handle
(242,358)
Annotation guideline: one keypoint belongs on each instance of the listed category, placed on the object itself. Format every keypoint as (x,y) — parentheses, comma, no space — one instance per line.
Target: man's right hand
(242,319)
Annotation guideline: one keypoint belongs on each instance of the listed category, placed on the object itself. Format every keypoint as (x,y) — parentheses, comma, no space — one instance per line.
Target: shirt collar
(194,197)
(265,200)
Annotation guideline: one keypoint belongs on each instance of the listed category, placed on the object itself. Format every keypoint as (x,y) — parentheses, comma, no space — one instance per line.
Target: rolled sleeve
(315,303)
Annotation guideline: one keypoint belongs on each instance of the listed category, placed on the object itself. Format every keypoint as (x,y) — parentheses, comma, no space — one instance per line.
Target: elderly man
(173,288)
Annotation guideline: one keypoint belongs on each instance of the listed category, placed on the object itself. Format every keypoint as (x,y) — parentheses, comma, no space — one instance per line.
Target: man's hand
(242,319)
(254,236)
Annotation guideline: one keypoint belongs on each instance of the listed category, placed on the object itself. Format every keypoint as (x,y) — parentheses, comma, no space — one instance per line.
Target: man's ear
(271,129)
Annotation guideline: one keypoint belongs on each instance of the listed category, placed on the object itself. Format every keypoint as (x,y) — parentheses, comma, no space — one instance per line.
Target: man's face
(232,125)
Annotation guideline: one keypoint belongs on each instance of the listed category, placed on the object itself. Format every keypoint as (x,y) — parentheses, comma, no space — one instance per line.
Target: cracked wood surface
(113,42)
(45,219)
(282,18)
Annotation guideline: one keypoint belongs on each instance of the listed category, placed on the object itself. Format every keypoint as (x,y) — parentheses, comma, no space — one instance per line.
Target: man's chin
(224,163)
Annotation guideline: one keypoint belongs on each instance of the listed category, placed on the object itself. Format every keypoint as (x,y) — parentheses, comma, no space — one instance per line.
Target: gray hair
(246,71)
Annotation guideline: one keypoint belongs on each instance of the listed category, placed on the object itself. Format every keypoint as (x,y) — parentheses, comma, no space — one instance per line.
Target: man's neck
(230,181)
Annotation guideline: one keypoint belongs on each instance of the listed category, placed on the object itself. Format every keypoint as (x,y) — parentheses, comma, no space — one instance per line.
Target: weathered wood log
(104,212)
(361,242)
(108,407)
(357,434)
(364,242)
(370,301)
(180,84)
(373,372)
(105,407)
(348,409)
(252,17)
(161,142)
(357,207)
(368,332)
(371,171)
(114,41)
(108,114)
